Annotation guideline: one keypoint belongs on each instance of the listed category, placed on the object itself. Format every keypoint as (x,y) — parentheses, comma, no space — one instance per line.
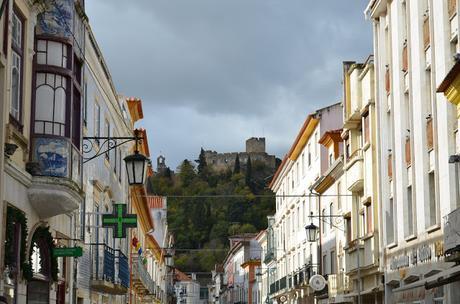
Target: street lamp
(169,261)
(312,232)
(136,168)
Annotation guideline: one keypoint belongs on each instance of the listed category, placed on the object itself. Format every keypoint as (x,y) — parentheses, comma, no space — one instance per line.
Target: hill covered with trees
(205,207)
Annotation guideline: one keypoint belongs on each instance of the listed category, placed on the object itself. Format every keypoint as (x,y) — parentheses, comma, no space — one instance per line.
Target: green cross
(119,221)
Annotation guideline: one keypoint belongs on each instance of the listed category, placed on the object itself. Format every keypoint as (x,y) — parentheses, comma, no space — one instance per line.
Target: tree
(202,164)
(187,173)
(237,168)
(249,172)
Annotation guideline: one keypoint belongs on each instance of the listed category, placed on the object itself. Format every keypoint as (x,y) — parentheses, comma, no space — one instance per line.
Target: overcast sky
(212,73)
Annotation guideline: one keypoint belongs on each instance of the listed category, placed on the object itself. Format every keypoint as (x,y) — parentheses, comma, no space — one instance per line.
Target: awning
(444,277)
(362,293)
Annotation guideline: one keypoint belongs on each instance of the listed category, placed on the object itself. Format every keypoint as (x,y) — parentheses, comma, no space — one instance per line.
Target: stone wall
(224,161)
(255,144)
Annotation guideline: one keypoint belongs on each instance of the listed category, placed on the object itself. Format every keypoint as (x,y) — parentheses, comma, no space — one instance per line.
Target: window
(316,144)
(339,198)
(390,222)
(97,121)
(432,198)
(17,46)
(325,264)
(348,229)
(50,104)
(333,262)
(297,173)
(331,159)
(366,128)
(298,217)
(331,212)
(303,164)
(361,222)
(323,220)
(52,53)
(409,213)
(309,156)
(107,133)
(369,227)
(85,104)
(119,165)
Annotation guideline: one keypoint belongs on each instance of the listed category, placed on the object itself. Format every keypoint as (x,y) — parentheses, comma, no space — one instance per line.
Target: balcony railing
(109,269)
(141,277)
(338,284)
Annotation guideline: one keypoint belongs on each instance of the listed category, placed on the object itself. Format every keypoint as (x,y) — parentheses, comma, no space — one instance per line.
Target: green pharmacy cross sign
(119,221)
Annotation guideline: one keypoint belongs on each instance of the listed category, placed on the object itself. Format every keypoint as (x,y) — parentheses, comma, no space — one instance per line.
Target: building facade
(290,259)
(240,265)
(414,47)
(55,91)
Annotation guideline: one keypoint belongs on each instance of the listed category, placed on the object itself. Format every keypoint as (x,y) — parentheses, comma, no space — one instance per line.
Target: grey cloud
(252,62)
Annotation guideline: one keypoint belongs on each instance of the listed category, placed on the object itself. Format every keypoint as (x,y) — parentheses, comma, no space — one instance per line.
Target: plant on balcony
(15,216)
(43,234)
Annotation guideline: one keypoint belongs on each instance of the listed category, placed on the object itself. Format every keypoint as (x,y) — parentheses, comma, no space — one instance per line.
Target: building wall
(407,104)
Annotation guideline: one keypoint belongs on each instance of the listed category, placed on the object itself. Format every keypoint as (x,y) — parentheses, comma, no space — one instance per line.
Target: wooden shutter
(429,133)
(387,81)
(408,159)
(426,32)
(390,166)
(366,128)
(405,61)
(451,7)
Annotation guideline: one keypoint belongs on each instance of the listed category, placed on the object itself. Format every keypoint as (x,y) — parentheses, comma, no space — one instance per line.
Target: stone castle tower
(255,148)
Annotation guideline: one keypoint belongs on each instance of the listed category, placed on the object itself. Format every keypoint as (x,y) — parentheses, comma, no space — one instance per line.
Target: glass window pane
(54,53)
(59,105)
(44,103)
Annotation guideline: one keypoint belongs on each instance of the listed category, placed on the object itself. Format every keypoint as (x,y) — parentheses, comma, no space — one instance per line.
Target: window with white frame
(17,46)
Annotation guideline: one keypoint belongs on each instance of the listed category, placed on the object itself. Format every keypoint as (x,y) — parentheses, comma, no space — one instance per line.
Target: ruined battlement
(255,149)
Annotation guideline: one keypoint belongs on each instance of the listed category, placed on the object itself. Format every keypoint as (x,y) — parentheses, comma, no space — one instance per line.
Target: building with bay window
(414,47)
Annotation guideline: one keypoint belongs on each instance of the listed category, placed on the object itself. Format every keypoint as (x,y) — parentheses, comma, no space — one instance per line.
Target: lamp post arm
(103,144)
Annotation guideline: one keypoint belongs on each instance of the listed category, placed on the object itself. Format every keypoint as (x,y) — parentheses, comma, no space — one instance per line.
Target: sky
(212,73)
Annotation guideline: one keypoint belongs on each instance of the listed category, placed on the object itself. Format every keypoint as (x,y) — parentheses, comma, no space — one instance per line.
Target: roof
(180,276)
(331,136)
(135,108)
(301,139)
(451,75)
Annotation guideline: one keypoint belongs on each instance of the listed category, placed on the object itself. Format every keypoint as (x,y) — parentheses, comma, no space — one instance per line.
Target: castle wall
(255,145)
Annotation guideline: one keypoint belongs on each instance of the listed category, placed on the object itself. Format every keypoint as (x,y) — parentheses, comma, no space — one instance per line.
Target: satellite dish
(317,282)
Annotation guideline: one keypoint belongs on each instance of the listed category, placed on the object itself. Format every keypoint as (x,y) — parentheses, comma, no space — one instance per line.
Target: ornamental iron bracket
(97,146)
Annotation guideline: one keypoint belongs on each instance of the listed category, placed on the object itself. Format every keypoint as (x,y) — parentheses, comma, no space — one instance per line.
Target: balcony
(142,281)
(452,237)
(338,284)
(269,256)
(105,275)
(56,167)
(354,171)
(366,251)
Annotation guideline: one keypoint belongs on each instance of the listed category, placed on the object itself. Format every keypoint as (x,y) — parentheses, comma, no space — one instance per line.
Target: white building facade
(414,45)
(292,260)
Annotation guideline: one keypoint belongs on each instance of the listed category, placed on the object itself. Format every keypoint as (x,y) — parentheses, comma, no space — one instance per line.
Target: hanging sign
(68,252)
(119,220)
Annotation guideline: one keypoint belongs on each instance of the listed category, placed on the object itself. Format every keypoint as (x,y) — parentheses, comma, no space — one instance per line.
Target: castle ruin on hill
(255,148)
